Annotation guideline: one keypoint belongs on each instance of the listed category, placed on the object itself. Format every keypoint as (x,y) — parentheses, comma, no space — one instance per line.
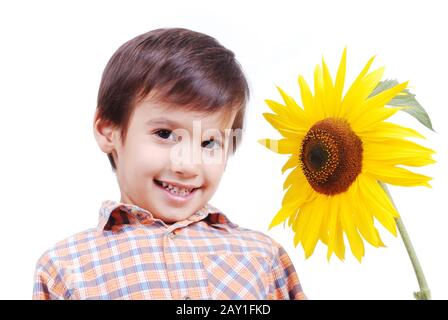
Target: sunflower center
(318,156)
(331,156)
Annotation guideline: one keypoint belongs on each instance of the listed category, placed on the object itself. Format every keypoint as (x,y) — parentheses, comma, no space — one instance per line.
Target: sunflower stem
(424,293)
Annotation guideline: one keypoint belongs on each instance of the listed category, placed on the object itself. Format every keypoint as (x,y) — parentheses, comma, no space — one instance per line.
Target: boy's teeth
(175,190)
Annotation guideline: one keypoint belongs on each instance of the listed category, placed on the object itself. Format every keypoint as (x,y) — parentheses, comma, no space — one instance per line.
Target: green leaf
(405,98)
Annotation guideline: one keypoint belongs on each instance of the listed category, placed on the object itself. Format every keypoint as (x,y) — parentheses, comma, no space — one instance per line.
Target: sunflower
(341,150)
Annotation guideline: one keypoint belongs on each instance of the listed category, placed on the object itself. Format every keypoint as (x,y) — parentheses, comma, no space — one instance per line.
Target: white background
(54,177)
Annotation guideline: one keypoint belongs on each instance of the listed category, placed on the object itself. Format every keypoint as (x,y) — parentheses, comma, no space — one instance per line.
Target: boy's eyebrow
(163,120)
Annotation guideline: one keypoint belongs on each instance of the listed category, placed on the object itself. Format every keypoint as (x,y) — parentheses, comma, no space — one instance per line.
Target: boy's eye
(210,144)
(166,134)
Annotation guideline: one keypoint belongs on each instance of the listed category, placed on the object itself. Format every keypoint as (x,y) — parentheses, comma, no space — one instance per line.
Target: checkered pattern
(131,255)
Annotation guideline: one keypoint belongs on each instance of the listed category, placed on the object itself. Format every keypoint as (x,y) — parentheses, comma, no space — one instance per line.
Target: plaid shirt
(131,255)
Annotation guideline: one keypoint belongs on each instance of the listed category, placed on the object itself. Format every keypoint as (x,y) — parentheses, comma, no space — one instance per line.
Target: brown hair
(185,68)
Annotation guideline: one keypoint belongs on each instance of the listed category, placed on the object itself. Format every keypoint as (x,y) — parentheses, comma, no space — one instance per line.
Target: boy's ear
(104,133)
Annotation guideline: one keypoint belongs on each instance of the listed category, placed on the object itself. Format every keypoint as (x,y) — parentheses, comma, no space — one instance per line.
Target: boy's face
(171,161)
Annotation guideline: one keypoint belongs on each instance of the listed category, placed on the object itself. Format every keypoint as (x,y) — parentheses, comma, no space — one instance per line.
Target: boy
(166,104)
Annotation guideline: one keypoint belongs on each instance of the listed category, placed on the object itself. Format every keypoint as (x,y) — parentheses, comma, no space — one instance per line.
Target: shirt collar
(114,214)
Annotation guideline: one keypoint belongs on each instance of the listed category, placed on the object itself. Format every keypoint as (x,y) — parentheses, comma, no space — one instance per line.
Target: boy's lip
(179,185)
(176,199)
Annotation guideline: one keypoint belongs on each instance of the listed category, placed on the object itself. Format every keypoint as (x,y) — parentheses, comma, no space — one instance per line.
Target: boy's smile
(176,192)
(172,160)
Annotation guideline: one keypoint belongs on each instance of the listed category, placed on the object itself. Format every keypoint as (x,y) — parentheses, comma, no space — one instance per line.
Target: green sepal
(405,98)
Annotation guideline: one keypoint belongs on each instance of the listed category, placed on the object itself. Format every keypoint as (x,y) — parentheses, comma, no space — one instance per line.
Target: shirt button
(172,235)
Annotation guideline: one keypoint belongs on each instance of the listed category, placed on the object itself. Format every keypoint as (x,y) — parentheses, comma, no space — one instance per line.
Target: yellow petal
(340,78)
(307,97)
(293,218)
(332,224)
(319,109)
(346,102)
(325,220)
(276,107)
(339,241)
(364,71)
(372,117)
(354,102)
(271,144)
(301,223)
(312,231)
(395,175)
(397,151)
(365,114)
(363,218)
(292,162)
(378,203)
(295,176)
(356,243)
(282,214)
(299,192)
(330,105)
(380,242)
(285,113)
(385,96)
(294,107)
(385,130)
(282,146)
(286,125)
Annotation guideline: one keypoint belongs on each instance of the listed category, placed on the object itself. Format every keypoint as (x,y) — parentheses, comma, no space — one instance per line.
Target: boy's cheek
(214,174)
(144,156)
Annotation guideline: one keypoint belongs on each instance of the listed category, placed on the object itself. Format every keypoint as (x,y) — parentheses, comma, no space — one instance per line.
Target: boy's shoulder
(67,249)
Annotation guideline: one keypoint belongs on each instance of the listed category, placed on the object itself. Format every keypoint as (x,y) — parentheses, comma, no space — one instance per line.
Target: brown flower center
(331,156)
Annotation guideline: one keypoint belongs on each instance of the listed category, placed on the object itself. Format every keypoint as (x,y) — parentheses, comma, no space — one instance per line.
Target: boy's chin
(172,215)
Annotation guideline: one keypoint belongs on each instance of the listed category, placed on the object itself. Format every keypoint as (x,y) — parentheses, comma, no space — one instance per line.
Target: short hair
(185,68)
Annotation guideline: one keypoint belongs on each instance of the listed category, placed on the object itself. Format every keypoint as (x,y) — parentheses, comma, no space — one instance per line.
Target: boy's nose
(186,164)
(185,168)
